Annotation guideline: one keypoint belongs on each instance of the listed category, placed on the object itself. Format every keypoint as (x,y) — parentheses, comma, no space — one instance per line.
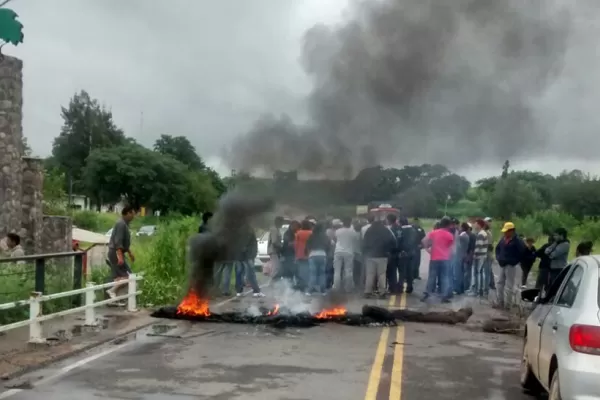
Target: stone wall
(32,205)
(57,234)
(11,144)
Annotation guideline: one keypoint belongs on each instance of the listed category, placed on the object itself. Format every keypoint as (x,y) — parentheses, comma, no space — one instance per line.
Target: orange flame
(331,313)
(193,305)
(274,311)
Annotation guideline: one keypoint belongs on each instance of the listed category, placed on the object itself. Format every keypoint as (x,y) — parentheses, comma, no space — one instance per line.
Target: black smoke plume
(227,234)
(404,81)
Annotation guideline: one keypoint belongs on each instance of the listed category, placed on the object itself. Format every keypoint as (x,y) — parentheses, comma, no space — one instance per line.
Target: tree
(143,178)
(418,201)
(86,126)
(513,197)
(449,188)
(505,168)
(54,194)
(180,148)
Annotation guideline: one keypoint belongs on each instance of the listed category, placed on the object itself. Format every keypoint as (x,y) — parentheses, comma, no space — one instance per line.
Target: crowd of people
(462,255)
(376,258)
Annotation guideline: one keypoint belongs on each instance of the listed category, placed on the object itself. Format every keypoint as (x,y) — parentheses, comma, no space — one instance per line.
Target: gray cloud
(461,82)
(199,68)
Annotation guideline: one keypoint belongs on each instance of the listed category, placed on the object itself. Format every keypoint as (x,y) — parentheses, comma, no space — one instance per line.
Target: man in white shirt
(347,243)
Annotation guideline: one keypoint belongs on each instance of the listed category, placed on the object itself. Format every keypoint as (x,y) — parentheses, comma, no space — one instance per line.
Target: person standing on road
(330,231)
(558,253)
(377,245)
(347,239)
(288,254)
(274,246)
(317,247)
(543,279)
(416,271)
(394,258)
(462,254)
(491,256)
(119,246)
(528,259)
(244,264)
(407,247)
(439,244)
(468,267)
(480,278)
(509,253)
(363,230)
(302,265)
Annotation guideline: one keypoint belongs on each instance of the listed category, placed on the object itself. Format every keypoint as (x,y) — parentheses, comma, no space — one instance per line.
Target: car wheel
(555,387)
(529,382)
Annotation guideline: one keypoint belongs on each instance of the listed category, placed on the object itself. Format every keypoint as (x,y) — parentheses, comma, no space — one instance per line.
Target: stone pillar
(11,144)
(57,234)
(32,205)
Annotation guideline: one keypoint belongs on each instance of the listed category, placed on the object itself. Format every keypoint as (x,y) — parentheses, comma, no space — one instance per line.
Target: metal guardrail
(40,269)
(36,298)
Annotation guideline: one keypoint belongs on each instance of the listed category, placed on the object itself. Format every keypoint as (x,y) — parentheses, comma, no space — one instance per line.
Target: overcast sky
(205,69)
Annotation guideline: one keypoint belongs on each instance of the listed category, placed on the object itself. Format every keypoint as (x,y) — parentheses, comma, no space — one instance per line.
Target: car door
(537,317)
(555,327)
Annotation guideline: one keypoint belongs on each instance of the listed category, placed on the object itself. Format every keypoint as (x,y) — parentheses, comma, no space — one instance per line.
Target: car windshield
(146,229)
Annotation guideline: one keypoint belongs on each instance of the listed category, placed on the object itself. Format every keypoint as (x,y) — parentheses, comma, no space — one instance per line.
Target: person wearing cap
(558,253)
(509,252)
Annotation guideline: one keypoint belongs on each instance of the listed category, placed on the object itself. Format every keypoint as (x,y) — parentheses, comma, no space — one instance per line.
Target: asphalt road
(235,362)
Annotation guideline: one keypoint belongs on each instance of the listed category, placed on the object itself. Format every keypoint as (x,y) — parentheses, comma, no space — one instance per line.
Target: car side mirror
(530,295)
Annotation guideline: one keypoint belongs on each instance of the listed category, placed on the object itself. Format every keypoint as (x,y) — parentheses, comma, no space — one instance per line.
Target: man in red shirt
(439,244)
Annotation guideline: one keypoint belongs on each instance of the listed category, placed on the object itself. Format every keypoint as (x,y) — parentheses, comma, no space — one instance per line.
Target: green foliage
(180,148)
(86,126)
(162,259)
(512,197)
(55,197)
(146,178)
(11,30)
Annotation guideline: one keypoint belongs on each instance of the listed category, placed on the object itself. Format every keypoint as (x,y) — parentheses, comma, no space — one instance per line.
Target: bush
(162,260)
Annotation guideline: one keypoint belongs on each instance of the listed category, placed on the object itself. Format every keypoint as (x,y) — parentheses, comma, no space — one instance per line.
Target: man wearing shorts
(119,245)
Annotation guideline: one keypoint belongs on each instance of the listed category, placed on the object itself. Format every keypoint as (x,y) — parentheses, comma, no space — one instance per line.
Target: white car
(561,349)
(263,245)
(147,230)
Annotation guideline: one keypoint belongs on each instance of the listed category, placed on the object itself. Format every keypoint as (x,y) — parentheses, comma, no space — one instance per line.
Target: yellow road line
(375,377)
(396,378)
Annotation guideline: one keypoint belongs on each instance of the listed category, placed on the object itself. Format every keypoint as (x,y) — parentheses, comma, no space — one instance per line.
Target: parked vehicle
(146,230)
(561,348)
(263,245)
(109,233)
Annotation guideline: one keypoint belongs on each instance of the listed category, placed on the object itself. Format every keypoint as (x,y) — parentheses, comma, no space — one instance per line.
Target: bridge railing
(37,298)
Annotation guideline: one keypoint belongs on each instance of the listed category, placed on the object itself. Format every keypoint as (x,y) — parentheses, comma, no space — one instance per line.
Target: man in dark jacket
(394,258)
(509,253)
(543,277)
(407,249)
(377,245)
(528,260)
(244,264)
(416,261)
